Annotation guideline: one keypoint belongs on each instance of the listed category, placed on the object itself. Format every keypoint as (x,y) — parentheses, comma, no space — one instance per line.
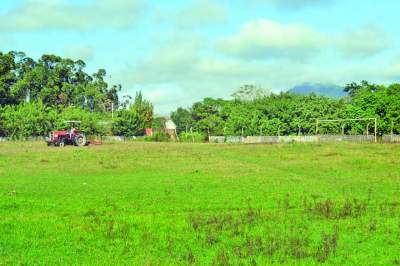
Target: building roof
(170,125)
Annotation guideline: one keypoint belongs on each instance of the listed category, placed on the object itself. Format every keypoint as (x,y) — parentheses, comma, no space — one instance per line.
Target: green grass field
(201,204)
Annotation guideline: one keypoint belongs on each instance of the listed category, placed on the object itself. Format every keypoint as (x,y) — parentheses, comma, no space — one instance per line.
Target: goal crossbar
(344,120)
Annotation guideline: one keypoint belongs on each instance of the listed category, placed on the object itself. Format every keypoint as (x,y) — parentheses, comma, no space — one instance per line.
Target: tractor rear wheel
(80,140)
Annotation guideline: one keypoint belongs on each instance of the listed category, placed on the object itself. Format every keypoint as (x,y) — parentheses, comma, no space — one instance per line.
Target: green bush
(36,119)
(192,137)
(26,119)
(158,136)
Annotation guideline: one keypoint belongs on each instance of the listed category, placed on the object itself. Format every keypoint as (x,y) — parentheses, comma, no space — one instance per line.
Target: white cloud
(34,15)
(85,53)
(177,73)
(168,62)
(293,4)
(181,72)
(200,13)
(5,41)
(181,62)
(392,70)
(364,41)
(196,14)
(263,39)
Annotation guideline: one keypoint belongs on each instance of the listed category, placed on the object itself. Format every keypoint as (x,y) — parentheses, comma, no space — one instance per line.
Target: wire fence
(302,139)
(391,138)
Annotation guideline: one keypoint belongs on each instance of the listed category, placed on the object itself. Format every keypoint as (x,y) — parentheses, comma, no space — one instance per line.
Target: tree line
(38,96)
(253,111)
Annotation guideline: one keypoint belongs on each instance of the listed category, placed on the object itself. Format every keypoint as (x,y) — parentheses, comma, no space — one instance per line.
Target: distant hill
(328,90)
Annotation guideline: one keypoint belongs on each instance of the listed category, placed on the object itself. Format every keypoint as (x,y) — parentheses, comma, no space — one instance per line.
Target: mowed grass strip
(202,204)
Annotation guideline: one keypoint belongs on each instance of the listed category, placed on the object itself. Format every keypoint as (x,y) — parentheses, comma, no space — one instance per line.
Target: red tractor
(68,137)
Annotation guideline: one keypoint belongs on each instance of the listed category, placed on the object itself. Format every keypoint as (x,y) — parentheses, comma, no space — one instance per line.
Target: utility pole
(112,110)
(316,126)
(191,133)
(28,96)
(343,126)
(376,130)
(177,136)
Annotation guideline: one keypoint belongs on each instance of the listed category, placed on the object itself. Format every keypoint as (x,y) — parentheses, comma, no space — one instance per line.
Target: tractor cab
(70,136)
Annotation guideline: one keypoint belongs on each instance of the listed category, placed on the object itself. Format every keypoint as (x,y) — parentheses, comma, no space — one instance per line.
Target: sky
(178,52)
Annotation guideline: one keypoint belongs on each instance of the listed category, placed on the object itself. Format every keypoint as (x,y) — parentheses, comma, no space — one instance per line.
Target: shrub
(36,119)
(26,119)
(158,136)
(192,137)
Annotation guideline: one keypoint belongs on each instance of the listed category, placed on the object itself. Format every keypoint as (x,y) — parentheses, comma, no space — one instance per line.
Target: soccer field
(179,204)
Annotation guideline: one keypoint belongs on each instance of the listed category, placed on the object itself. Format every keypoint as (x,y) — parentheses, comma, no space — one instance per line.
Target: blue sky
(178,52)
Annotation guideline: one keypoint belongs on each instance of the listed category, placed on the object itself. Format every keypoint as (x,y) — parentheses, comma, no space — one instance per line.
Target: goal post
(371,120)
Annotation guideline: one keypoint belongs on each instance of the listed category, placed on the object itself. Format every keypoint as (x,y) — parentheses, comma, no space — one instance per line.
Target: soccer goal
(369,123)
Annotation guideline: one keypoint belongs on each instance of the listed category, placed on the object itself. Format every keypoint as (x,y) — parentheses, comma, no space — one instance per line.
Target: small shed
(170,125)
(170,128)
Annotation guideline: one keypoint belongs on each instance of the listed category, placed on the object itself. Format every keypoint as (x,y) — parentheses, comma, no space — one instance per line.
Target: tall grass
(140,203)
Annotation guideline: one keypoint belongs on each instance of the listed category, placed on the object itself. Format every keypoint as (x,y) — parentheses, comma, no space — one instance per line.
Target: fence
(235,139)
(217,139)
(120,138)
(261,139)
(4,139)
(351,138)
(113,138)
(300,139)
(391,138)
